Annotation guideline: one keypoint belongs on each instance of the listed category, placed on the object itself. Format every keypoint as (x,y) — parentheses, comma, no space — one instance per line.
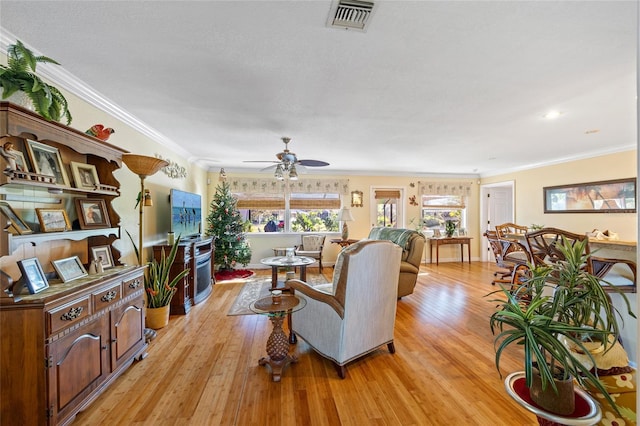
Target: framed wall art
(53,220)
(85,176)
(610,196)
(356,199)
(18,226)
(103,253)
(69,269)
(46,160)
(92,213)
(33,275)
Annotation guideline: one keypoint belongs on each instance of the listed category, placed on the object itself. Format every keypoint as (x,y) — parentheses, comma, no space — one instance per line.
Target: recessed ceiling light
(588,132)
(552,115)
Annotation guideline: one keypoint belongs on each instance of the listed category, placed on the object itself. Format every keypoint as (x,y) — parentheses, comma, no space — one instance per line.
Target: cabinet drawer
(69,314)
(106,297)
(132,285)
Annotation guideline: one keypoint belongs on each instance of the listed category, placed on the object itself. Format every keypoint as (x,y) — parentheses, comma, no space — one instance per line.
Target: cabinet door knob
(104,347)
(114,341)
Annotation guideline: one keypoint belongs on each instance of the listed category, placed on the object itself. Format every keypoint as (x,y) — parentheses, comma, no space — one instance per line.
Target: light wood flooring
(203,368)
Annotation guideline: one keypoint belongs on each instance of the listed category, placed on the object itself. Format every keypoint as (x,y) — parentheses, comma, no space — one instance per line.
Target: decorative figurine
(100,132)
(8,153)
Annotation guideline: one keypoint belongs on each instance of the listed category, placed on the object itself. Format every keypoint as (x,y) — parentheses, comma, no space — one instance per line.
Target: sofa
(412,243)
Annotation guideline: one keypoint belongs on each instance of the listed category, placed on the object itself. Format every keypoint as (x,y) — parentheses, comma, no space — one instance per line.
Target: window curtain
(462,188)
(272,186)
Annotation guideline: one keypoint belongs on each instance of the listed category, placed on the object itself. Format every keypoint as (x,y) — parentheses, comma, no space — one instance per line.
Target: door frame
(400,212)
(486,189)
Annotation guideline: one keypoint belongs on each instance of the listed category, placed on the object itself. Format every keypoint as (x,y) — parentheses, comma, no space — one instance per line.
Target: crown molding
(60,77)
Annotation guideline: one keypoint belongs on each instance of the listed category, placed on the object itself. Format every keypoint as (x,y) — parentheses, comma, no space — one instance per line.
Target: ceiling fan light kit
(286,164)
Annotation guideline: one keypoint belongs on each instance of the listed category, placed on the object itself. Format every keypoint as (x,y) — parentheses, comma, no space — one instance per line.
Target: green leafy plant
(573,306)
(20,75)
(159,288)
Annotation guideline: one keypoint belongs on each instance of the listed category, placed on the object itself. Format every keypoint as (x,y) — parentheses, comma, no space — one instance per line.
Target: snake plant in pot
(159,286)
(558,307)
(19,75)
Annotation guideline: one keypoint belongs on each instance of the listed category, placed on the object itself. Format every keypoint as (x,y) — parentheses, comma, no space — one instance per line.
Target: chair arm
(320,296)
(602,265)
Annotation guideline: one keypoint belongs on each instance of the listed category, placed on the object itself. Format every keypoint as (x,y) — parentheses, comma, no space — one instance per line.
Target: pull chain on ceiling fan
(287,161)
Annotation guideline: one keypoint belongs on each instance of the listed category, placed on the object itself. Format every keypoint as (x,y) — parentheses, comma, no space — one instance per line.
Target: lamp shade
(345,215)
(143,165)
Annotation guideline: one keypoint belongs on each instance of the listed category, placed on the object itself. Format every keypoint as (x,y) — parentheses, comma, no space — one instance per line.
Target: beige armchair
(412,243)
(312,246)
(355,314)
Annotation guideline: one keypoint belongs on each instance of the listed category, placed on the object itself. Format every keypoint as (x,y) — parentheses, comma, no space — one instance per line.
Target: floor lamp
(143,166)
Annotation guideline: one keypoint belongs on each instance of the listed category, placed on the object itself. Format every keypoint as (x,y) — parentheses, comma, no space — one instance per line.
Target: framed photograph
(610,196)
(18,226)
(69,269)
(103,254)
(21,161)
(53,220)
(356,199)
(33,275)
(92,213)
(85,176)
(46,160)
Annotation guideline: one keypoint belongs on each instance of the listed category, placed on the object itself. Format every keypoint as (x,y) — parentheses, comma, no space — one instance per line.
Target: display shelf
(35,239)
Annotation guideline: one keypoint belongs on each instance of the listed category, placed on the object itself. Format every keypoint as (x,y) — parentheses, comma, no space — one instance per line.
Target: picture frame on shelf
(17,224)
(21,161)
(609,196)
(33,275)
(92,213)
(103,253)
(69,269)
(85,176)
(46,160)
(53,220)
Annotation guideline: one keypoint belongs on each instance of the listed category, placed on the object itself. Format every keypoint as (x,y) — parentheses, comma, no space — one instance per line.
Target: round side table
(277,344)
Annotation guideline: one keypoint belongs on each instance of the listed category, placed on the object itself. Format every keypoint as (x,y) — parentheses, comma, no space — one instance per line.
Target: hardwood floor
(203,368)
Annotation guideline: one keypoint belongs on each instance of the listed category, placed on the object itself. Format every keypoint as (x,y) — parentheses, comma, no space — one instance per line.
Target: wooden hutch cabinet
(197,285)
(62,346)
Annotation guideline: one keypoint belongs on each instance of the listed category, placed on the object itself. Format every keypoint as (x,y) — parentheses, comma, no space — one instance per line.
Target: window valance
(271,186)
(445,188)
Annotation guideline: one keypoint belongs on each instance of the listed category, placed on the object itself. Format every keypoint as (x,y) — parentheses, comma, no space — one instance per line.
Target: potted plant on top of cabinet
(560,307)
(20,76)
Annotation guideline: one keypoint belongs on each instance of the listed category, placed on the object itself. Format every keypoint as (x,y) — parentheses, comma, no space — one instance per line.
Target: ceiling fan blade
(260,161)
(273,167)
(313,163)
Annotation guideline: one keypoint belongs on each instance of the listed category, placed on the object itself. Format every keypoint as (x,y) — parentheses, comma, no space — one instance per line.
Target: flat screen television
(186,213)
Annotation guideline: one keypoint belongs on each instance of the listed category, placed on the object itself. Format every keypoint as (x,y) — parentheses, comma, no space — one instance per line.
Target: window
(437,209)
(314,212)
(307,212)
(303,205)
(264,213)
(387,207)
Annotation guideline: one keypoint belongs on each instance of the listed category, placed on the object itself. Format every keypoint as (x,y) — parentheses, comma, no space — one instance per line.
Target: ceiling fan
(287,162)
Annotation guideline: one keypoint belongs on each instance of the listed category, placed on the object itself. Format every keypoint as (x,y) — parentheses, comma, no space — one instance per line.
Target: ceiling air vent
(350,14)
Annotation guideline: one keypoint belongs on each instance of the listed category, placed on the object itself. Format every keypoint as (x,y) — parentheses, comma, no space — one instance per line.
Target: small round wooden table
(277,344)
(587,411)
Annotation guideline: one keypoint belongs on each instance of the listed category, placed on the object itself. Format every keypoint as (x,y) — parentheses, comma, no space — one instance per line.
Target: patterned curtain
(445,188)
(273,186)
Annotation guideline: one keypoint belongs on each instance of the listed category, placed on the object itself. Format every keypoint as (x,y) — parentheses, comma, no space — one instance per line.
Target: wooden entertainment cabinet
(61,347)
(195,254)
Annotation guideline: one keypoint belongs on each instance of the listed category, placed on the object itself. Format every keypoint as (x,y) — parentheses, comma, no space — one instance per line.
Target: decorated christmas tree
(225,223)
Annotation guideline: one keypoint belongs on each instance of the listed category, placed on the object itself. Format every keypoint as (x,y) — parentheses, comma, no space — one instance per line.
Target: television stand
(197,255)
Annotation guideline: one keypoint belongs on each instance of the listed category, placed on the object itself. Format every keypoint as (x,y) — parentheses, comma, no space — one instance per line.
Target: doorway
(496,207)
(386,210)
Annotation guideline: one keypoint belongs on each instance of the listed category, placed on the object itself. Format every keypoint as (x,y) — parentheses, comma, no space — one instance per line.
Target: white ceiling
(431,88)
